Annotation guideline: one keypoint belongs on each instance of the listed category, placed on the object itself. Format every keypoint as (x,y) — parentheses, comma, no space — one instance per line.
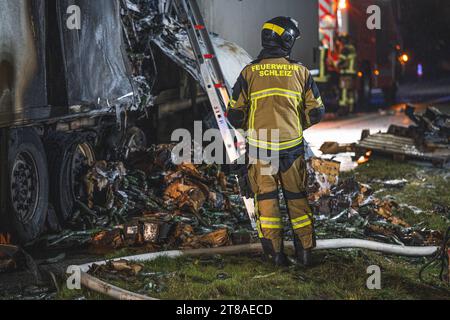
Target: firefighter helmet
(280,32)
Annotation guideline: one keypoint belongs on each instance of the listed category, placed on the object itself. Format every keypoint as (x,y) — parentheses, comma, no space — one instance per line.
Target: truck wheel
(70,156)
(28,184)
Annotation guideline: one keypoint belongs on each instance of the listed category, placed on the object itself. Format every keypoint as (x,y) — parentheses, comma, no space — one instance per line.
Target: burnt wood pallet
(400,148)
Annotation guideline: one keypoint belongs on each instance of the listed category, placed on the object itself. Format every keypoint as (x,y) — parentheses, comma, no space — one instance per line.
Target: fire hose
(436,252)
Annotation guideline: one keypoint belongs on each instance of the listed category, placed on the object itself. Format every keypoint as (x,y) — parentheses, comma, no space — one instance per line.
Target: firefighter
(347,74)
(275,100)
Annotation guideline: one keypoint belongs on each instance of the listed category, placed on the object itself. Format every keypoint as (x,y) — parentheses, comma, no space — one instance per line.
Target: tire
(28,185)
(70,156)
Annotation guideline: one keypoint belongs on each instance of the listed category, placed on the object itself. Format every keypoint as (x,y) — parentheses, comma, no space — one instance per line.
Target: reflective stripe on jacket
(347,60)
(280,100)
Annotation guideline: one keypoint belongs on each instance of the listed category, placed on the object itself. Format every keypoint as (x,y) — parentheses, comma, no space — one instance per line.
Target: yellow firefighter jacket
(347,60)
(280,100)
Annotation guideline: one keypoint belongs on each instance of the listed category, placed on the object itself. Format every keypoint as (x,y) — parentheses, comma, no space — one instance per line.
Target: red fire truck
(379,51)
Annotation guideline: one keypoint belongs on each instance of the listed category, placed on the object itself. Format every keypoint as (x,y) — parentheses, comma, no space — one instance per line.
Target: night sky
(425,26)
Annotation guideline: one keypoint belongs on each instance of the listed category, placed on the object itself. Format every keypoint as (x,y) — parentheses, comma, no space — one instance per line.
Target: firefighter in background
(347,74)
(275,100)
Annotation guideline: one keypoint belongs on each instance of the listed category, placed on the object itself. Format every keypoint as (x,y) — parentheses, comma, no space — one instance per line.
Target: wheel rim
(83,158)
(25,186)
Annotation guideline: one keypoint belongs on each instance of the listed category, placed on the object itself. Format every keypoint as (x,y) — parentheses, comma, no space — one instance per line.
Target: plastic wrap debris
(351,209)
(138,27)
(147,25)
(104,178)
(397,183)
(174,42)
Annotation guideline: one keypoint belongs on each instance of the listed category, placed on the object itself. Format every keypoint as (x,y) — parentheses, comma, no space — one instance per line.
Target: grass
(335,275)
(340,275)
(426,188)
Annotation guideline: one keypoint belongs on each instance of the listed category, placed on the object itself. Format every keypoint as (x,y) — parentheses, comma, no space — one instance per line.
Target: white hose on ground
(109,290)
(102,287)
(256,247)
(140,258)
(376,246)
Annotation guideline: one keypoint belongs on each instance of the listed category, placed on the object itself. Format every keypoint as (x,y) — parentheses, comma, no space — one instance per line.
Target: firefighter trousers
(347,97)
(266,188)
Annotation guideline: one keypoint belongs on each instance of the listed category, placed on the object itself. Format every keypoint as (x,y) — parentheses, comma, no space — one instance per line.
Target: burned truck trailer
(76,91)
(58,83)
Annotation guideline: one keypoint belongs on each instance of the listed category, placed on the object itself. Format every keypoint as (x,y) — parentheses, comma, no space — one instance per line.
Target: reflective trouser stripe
(268,226)
(271,223)
(301,222)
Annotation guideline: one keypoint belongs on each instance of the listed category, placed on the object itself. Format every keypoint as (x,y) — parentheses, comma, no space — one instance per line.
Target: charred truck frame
(71,96)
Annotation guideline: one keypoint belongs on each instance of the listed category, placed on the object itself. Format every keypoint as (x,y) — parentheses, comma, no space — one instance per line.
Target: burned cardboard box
(137,232)
(152,231)
(322,176)
(336,148)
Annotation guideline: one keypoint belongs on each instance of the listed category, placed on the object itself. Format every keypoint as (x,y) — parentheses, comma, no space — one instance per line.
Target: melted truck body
(48,70)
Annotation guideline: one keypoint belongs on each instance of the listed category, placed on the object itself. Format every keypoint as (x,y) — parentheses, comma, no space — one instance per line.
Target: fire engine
(379,51)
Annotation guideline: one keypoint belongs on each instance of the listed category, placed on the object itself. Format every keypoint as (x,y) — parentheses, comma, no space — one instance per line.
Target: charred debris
(149,202)
(150,30)
(428,139)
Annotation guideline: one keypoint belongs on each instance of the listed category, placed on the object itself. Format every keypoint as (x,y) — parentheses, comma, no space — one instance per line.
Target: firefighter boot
(279,259)
(303,256)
